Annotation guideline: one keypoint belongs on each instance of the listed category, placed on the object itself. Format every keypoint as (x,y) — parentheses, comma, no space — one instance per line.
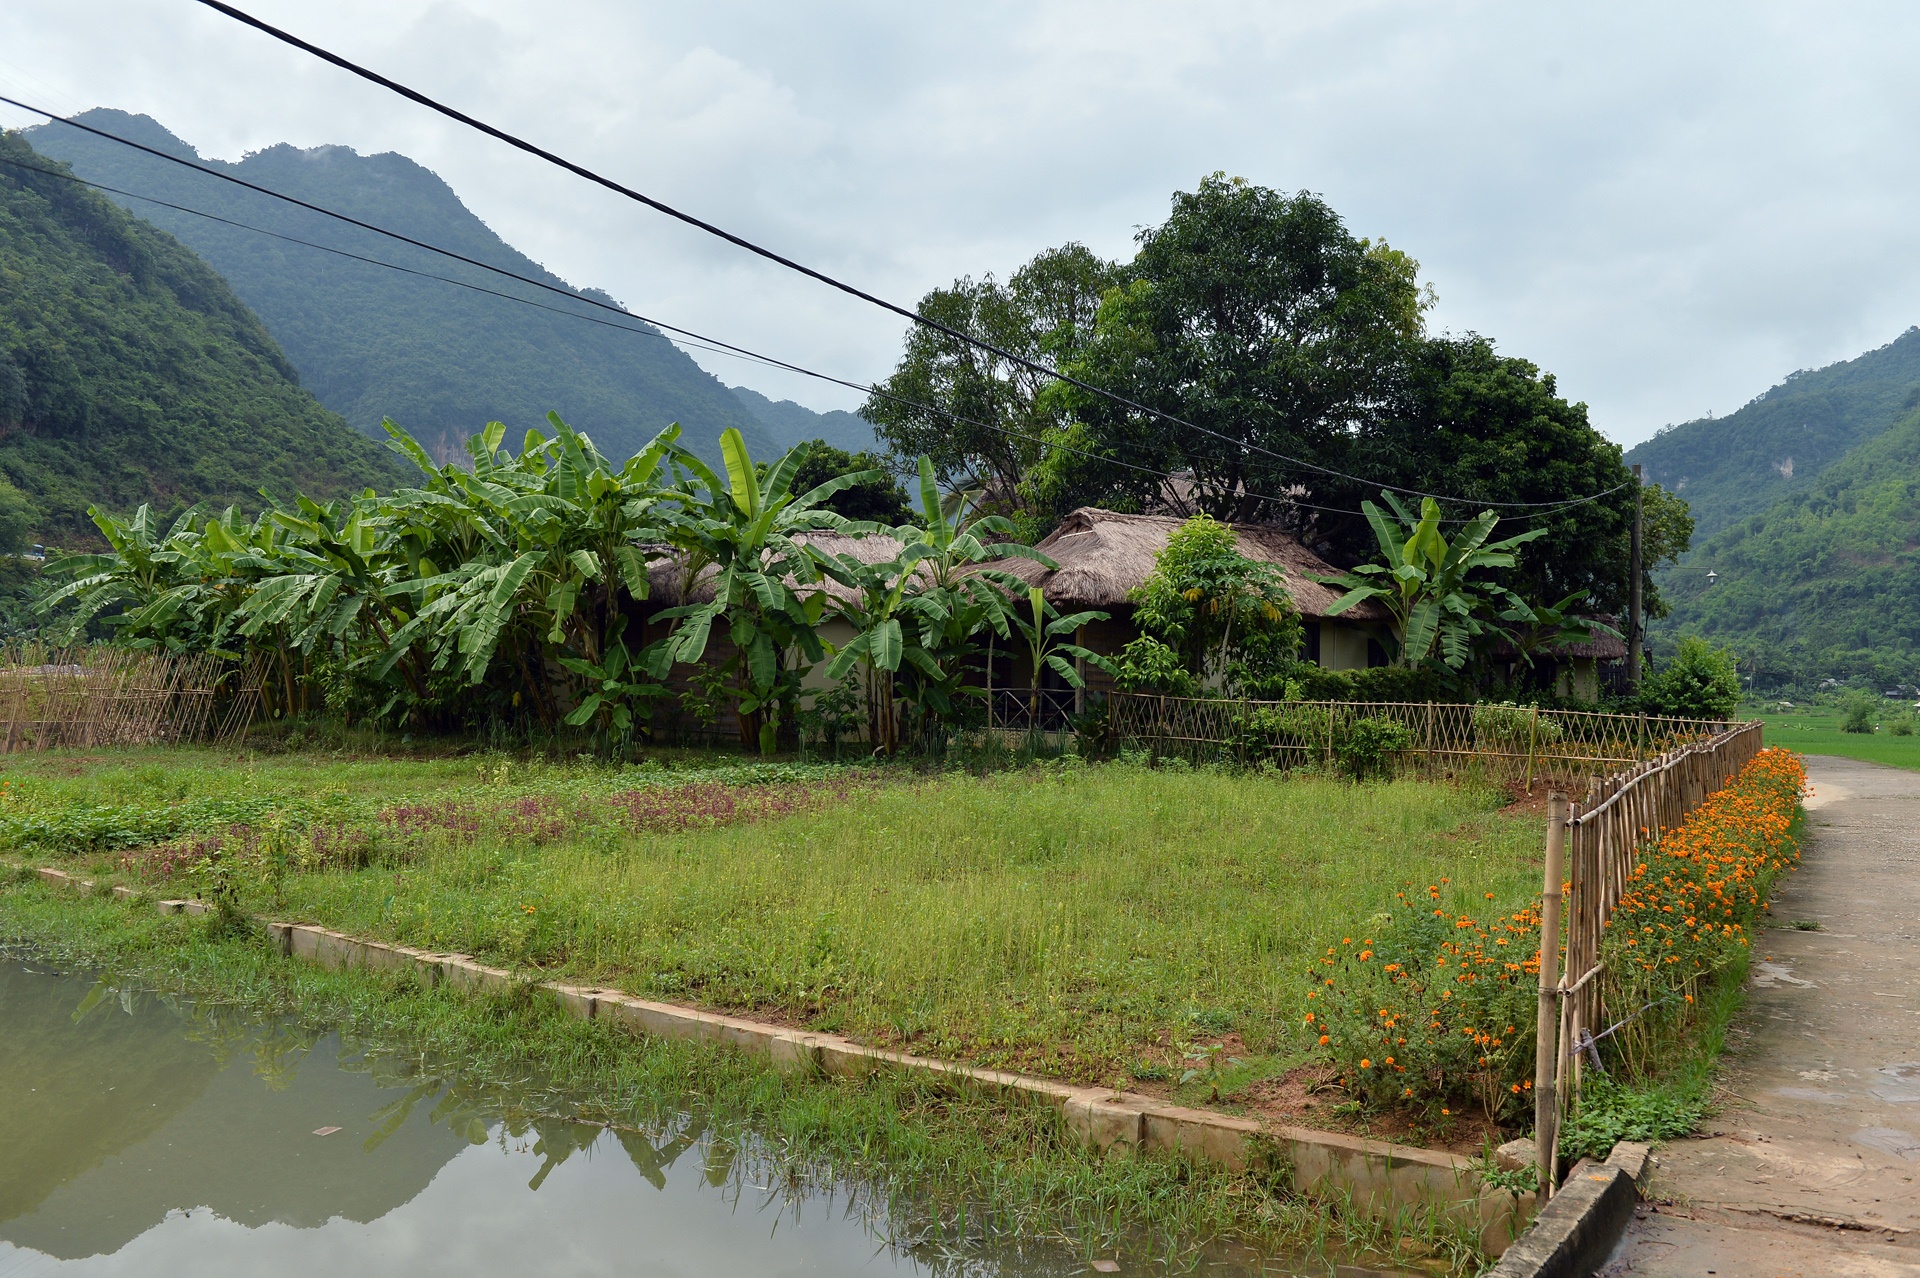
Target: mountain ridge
(130,372)
(372,342)
(1779,442)
(1823,582)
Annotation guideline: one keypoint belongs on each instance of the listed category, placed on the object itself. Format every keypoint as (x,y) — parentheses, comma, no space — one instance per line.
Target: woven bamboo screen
(1495,741)
(1623,814)
(54,698)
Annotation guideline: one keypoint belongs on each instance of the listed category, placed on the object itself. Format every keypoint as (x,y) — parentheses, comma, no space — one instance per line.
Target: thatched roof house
(1103,556)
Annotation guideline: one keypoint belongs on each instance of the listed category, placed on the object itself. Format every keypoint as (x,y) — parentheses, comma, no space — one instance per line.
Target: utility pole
(1633,605)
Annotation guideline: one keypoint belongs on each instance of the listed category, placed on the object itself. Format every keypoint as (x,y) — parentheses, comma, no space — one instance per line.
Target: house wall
(1578,678)
(1343,646)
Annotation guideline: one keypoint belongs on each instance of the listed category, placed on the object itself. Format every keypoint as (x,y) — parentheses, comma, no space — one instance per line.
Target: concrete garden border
(1374,1178)
(1577,1230)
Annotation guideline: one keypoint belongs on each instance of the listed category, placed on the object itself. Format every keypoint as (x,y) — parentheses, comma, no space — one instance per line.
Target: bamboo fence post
(1533,736)
(1546,1031)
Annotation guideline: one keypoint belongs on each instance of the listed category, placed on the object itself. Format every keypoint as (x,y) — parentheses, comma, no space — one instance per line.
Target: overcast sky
(1669,206)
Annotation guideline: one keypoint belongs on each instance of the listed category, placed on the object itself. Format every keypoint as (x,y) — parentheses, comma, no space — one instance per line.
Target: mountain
(1825,582)
(129,371)
(439,359)
(1731,467)
(790,423)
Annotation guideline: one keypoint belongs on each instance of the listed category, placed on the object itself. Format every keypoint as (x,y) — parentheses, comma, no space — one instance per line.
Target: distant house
(1103,556)
(1577,668)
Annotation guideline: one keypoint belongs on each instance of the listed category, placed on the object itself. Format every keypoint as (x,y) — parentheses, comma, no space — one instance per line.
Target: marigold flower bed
(1434,1010)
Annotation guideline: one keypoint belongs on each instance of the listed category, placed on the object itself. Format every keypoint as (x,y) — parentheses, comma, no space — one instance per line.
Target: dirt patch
(1521,803)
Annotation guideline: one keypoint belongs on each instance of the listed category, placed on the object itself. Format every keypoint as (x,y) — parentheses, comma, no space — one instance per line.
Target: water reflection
(143,1135)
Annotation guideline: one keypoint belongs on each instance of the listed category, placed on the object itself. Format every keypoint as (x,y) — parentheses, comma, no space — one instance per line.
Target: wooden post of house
(1547,1027)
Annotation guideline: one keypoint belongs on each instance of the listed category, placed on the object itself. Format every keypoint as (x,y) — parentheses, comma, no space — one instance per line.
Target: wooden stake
(1546,1033)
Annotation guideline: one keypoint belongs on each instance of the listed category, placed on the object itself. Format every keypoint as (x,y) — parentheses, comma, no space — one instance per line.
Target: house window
(1376,655)
(1313,642)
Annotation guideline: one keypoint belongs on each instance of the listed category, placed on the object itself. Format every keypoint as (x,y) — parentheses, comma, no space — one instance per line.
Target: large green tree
(1256,317)
(1486,428)
(977,415)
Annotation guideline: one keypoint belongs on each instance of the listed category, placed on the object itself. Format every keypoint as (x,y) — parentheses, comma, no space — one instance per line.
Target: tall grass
(927,1160)
(1082,921)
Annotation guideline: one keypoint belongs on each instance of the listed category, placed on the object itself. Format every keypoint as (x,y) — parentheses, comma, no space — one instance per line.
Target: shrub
(1856,712)
(1285,735)
(1698,682)
(1901,727)
(1509,726)
(1215,612)
(1369,745)
(1147,665)
(1431,1009)
(1309,682)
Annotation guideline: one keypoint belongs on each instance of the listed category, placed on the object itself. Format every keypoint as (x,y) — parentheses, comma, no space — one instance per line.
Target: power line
(739,241)
(713,344)
(698,340)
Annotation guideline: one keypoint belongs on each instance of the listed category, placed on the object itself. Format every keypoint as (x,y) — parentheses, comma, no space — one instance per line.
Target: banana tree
(539,550)
(746,531)
(1422,581)
(1043,629)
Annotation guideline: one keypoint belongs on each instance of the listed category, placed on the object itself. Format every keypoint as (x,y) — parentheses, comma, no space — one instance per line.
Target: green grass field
(1091,922)
(1816,730)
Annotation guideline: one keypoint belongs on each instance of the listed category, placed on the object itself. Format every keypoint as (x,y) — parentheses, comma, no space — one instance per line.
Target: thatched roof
(1103,556)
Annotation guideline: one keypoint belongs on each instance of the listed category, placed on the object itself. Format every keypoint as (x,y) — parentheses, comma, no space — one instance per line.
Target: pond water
(145,1135)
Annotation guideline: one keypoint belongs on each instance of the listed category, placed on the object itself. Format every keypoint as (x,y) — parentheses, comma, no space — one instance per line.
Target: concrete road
(1810,1166)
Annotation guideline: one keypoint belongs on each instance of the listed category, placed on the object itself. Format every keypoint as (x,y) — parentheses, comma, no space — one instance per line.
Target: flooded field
(148,1135)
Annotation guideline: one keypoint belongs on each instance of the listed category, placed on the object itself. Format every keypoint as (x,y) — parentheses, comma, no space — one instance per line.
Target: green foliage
(927,610)
(1610,1112)
(1824,582)
(1781,442)
(1213,613)
(1252,313)
(1483,427)
(130,373)
(1857,712)
(374,344)
(976,415)
(1902,726)
(1698,681)
(1504,725)
(1309,682)
(1422,580)
(1148,665)
(1363,747)
(878,498)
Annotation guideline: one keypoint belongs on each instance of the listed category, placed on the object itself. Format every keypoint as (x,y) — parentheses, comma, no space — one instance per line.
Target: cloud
(1667,206)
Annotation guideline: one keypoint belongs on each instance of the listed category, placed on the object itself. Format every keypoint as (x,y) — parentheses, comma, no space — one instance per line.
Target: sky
(1667,206)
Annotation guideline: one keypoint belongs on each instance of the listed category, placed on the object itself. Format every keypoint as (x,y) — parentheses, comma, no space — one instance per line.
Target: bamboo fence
(1591,850)
(84,697)
(1523,743)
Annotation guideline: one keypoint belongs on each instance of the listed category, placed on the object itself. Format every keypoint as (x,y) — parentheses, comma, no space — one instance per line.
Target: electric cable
(697,340)
(739,241)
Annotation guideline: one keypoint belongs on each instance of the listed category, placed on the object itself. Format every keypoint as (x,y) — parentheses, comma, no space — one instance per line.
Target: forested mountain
(370,342)
(129,371)
(1826,582)
(789,423)
(1731,467)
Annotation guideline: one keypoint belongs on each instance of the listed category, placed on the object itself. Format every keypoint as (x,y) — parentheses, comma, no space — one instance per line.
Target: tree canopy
(1295,358)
